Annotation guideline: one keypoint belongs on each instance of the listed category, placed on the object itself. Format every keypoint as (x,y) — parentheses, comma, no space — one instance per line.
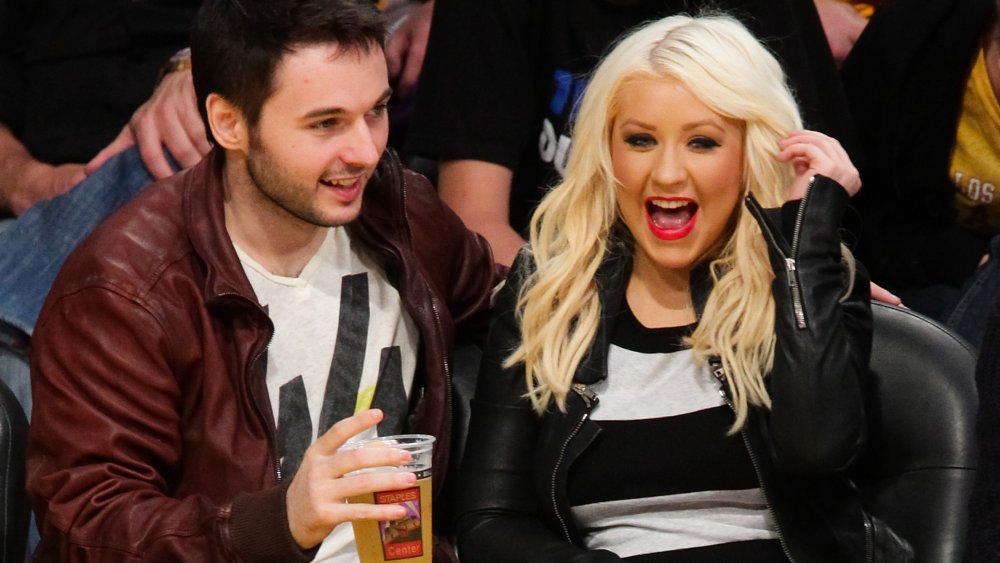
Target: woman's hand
(814,153)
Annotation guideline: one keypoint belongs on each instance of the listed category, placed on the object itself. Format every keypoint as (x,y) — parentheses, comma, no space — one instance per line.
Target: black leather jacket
(514,504)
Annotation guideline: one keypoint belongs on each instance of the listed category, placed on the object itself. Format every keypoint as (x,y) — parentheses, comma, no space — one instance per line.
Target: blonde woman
(675,370)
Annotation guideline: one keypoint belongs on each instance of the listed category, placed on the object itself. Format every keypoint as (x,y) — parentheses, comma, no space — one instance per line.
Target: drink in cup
(408,539)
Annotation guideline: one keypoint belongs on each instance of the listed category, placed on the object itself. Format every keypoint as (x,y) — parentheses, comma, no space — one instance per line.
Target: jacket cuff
(259,528)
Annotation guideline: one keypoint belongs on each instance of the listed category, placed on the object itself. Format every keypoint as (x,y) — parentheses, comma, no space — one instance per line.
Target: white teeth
(669,203)
(338,183)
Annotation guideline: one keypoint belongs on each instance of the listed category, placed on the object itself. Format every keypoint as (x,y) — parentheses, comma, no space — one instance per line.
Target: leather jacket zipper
(793,274)
(791,268)
(720,374)
(272,437)
(770,507)
(585,393)
(869,538)
(555,471)
(444,359)
(589,399)
(271,432)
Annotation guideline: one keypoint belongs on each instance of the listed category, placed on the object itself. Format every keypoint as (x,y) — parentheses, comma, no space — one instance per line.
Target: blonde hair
(720,62)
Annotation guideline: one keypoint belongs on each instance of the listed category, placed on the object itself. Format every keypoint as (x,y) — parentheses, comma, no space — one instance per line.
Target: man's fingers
(337,512)
(342,431)
(151,152)
(123,141)
(344,461)
(195,130)
(178,142)
(191,119)
(362,483)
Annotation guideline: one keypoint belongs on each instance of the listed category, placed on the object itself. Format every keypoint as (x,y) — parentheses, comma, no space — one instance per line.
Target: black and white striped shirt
(663,482)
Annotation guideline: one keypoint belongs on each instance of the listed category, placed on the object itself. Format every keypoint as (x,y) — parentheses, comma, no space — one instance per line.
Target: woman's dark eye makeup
(644,140)
(640,140)
(702,142)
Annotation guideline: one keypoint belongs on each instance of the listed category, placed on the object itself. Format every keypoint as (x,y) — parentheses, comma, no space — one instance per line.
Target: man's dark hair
(236,45)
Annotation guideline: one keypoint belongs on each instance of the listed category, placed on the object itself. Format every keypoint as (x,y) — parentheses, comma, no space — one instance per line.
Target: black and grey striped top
(663,482)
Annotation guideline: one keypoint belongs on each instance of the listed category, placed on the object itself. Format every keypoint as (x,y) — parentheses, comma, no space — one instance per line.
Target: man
(55,115)
(62,101)
(196,348)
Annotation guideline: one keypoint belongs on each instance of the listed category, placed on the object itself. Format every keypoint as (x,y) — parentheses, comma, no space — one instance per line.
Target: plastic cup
(409,538)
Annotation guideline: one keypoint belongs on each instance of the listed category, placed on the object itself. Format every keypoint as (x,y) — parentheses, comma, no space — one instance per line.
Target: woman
(598,431)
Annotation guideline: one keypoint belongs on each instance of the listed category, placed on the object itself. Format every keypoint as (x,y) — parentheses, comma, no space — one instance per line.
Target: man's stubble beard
(294,199)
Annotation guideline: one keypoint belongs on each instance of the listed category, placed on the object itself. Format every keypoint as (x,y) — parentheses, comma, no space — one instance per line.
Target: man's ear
(229,125)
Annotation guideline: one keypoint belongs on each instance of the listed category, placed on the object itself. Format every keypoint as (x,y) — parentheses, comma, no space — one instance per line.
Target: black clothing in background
(905,79)
(488,82)
(72,72)
(984,520)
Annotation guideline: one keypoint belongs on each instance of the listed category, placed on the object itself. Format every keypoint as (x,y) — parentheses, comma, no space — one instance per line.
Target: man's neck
(276,239)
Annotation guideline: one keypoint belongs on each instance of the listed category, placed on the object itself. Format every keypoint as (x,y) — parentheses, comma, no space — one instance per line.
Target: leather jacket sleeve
(499,519)
(100,478)
(816,424)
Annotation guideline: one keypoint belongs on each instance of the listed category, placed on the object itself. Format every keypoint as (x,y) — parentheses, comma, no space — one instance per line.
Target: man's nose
(362,149)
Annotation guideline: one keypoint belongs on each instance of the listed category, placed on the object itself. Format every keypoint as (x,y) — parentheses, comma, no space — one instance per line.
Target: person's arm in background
(479,192)
(168,122)
(842,25)
(24,181)
(474,110)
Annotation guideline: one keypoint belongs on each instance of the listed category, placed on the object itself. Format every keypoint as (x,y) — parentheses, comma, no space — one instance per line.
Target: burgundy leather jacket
(152,437)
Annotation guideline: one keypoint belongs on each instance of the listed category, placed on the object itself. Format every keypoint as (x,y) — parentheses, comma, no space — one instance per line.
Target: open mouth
(346,183)
(345,190)
(671,219)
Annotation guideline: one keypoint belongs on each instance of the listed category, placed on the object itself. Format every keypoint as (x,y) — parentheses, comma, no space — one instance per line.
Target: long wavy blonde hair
(720,62)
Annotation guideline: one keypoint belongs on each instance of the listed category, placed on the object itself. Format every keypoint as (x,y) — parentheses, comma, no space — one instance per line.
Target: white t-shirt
(342,343)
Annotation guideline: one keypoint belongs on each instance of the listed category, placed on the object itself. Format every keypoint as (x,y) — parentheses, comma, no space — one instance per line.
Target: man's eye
(380,110)
(703,143)
(325,124)
(640,140)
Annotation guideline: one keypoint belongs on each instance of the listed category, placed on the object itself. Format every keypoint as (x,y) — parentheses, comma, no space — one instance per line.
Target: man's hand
(25,181)
(169,118)
(317,495)
(39,181)
(404,52)
(842,25)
